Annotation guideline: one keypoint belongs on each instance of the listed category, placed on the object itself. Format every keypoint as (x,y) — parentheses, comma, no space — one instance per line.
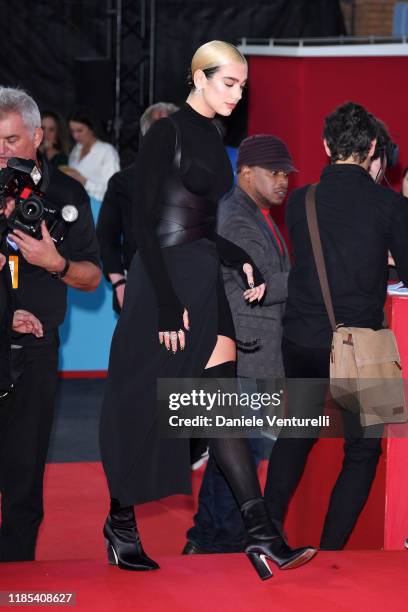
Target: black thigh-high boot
(123,541)
(236,462)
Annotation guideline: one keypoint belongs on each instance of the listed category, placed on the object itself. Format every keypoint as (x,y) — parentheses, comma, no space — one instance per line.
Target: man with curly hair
(359,222)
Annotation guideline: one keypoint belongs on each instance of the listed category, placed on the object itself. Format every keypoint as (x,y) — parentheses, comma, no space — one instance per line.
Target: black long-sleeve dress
(181,172)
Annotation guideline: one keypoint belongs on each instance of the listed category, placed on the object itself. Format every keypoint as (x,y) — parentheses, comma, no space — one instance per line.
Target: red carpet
(76,504)
(72,558)
(333,582)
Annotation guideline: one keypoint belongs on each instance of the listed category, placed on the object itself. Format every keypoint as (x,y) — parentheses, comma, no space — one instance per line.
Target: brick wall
(370,17)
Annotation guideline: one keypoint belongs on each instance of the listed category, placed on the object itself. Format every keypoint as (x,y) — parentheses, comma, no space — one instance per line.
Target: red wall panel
(290,97)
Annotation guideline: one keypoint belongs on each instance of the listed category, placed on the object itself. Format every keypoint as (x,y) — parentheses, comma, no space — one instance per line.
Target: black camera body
(20,180)
(31,211)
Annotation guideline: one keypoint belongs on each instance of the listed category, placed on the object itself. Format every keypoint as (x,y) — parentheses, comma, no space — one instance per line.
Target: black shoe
(266,542)
(123,541)
(192,549)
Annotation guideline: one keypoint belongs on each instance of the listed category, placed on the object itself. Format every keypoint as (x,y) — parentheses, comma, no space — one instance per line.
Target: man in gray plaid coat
(244,217)
(263,165)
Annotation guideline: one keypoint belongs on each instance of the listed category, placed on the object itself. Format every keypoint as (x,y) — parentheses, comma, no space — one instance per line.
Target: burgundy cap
(265,151)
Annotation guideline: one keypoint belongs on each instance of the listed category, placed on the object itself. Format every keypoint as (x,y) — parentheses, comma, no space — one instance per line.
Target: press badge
(13,264)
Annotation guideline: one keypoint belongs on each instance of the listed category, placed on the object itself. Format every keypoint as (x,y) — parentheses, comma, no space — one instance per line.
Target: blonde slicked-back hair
(210,56)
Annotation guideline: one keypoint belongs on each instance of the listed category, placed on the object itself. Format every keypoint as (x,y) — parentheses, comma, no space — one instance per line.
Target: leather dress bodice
(183,216)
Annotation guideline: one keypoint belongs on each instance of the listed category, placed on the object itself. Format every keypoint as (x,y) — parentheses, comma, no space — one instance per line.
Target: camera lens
(31,210)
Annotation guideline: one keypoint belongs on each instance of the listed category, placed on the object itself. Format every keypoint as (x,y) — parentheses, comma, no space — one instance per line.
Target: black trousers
(289,456)
(5,329)
(26,418)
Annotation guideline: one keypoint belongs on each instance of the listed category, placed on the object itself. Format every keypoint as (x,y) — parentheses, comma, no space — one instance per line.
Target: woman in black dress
(174,300)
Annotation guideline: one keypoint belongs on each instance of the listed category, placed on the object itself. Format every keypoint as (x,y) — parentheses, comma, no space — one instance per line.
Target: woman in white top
(91,161)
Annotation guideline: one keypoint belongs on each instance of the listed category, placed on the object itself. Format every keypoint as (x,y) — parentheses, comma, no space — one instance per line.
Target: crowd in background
(76,147)
(90,160)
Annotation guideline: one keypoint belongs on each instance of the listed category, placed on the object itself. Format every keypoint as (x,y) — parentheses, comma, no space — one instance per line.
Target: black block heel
(260,564)
(266,542)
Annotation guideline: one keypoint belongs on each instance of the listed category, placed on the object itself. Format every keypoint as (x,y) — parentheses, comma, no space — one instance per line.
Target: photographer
(40,275)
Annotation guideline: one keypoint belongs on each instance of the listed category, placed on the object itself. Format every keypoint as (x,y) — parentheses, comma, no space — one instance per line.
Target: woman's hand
(25,322)
(254,293)
(2,261)
(174,339)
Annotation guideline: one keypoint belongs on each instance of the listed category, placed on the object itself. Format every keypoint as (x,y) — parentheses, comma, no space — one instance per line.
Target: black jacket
(117,245)
(6,312)
(359,223)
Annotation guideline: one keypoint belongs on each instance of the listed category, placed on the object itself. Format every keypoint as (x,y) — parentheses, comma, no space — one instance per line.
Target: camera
(20,180)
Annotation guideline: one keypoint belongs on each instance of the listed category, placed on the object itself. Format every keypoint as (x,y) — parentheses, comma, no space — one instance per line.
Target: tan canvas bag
(365,367)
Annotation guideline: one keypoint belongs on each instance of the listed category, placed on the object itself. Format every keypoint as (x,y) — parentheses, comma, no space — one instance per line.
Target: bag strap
(311,216)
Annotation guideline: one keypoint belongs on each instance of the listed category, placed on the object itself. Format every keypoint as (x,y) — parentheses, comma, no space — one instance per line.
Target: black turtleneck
(205,170)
